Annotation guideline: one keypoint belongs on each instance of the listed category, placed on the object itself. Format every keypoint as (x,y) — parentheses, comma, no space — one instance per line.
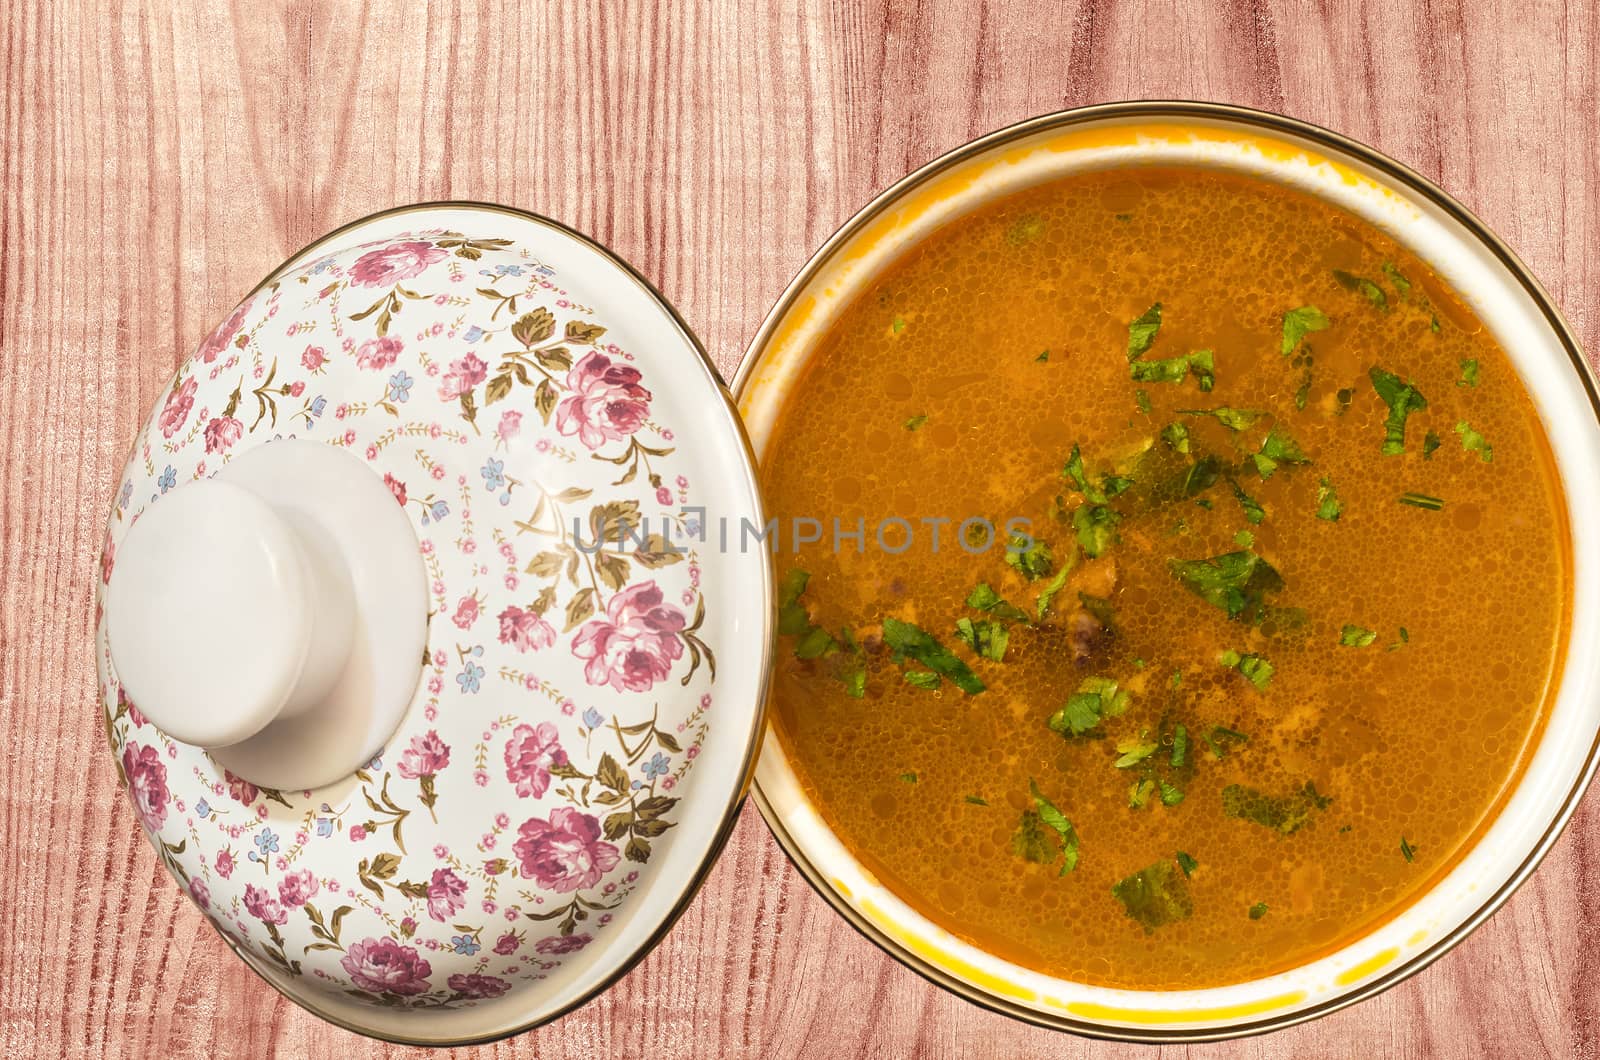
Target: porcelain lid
(417,565)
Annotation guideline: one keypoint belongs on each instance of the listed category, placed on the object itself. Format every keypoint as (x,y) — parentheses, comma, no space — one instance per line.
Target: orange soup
(1248,589)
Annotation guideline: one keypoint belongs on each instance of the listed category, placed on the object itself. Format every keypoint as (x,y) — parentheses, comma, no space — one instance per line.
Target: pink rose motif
(313,358)
(606,403)
(200,893)
(240,789)
(176,410)
(378,353)
(466,612)
(295,889)
(147,783)
(426,755)
(530,753)
(259,903)
(225,864)
(463,375)
(635,645)
(221,433)
(384,966)
(446,894)
(525,630)
(563,943)
(135,717)
(510,425)
(478,986)
(297,388)
(396,487)
(507,944)
(393,263)
(566,852)
(108,560)
(218,340)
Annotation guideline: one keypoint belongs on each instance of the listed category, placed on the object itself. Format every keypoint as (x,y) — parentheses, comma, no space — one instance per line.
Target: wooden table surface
(158,158)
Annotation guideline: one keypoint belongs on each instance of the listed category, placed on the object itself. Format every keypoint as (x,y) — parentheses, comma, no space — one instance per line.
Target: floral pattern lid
(588,704)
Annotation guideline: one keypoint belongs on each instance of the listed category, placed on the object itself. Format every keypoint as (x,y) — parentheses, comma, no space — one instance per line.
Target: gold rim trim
(753,740)
(1404,177)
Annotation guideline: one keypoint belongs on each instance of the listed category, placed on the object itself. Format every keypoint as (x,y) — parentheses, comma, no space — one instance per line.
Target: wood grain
(158,158)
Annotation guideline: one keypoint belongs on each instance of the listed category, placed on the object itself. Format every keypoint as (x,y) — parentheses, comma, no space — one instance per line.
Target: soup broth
(1284,599)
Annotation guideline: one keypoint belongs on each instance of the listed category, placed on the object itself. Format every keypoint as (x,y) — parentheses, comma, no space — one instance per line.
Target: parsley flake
(1142,331)
(1472,441)
(1403,399)
(1329,506)
(1155,896)
(908,641)
(1298,323)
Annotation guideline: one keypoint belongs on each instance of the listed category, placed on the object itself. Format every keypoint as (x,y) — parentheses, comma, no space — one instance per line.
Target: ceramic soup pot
(1485,273)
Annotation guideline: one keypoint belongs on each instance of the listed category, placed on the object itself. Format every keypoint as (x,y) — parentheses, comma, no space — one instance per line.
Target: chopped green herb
(1396,277)
(1142,399)
(1357,637)
(1469,372)
(1256,669)
(1403,399)
(1123,216)
(1095,699)
(1202,475)
(977,800)
(1365,287)
(1286,814)
(1029,556)
(1025,229)
(924,679)
(916,421)
(1142,331)
(1176,435)
(908,641)
(1258,910)
(1233,581)
(1042,602)
(1435,324)
(1135,749)
(1233,419)
(1472,441)
(1329,506)
(1180,746)
(1408,851)
(1097,528)
(1057,822)
(1220,738)
(1201,363)
(1043,357)
(1430,442)
(986,637)
(1422,500)
(1171,795)
(814,642)
(1252,508)
(1108,487)
(1277,448)
(897,326)
(984,598)
(1187,863)
(1344,397)
(1298,323)
(1204,502)
(1029,842)
(793,618)
(1244,539)
(1155,896)
(909,778)
(1139,793)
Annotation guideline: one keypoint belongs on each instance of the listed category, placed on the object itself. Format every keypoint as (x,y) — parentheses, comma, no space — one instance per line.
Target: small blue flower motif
(637,785)
(324,825)
(126,495)
(494,474)
(168,479)
(477,651)
(473,334)
(545,270)
(470,678)
(439,510)
(400,388)
(657,766)
(203,808)
(266,842)
(464,944)
(318,406)
(508,270)
(591,718)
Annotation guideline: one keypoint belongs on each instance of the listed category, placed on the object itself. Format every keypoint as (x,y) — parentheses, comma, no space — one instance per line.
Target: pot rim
(753,741)
(1404,177)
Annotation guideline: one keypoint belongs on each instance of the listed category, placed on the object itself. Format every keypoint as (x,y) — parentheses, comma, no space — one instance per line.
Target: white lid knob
(253,614)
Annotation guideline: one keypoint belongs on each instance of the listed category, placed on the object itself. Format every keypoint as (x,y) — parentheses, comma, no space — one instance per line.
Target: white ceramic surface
(1495,287)
(574,738)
